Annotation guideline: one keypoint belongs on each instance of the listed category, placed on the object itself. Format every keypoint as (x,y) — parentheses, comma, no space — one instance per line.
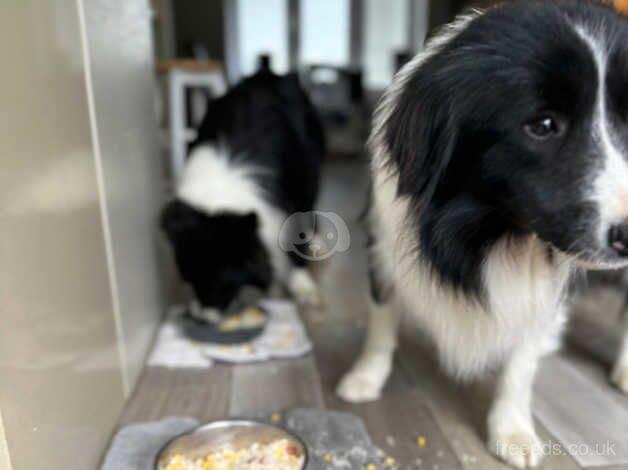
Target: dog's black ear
(249,222)
(420,134)
(260,268)
(177,218)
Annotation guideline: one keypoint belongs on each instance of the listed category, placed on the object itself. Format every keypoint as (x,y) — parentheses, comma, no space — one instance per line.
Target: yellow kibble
(327,457)
(420,441)
(176,463)
(275,417)
(280,453)
(390,461)
(371,467)
(229,324)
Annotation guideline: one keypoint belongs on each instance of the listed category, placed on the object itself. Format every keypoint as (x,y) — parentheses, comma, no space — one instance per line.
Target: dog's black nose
(618,238)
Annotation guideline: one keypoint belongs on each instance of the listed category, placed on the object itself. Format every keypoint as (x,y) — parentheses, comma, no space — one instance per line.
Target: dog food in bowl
(235,328)
(249,318)
(281,454)
(234,445)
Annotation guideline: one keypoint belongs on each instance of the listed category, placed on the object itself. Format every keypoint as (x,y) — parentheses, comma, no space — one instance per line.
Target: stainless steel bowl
(236,433)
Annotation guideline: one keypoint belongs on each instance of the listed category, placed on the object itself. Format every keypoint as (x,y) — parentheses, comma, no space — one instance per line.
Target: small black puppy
(257,159)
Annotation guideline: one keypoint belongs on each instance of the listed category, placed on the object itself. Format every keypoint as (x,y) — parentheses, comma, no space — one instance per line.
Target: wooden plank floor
(418,400)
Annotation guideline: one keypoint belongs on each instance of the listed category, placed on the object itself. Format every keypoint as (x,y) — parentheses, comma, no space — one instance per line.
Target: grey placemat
(135,446)
(342,437)
(334,440)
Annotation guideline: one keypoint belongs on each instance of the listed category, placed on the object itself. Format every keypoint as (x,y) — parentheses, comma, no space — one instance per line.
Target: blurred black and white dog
(499,166)
(257,160)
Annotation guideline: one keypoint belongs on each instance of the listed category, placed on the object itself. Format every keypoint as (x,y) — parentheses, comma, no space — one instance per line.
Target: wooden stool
(181,74)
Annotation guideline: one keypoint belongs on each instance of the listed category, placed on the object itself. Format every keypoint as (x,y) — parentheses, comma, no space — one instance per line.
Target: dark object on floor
(232,329)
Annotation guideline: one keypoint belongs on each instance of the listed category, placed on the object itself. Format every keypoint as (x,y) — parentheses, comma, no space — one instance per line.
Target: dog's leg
(365,380)
(620,370)
(511,432)
(299,282)
(510,425)
(303,288)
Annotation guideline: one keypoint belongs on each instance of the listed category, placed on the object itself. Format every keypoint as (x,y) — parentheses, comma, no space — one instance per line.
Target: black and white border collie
(257,159)
(499,166)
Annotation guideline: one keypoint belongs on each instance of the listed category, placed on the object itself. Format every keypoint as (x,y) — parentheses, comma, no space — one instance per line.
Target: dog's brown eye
(544,127)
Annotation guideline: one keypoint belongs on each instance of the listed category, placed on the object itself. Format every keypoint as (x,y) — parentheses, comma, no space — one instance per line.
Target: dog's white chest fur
(523,290)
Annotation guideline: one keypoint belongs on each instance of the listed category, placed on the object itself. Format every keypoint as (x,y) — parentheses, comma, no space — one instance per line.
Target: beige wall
(79,294)
(120,54)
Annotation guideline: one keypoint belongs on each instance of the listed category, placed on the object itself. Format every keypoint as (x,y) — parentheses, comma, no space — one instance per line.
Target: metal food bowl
(236,433)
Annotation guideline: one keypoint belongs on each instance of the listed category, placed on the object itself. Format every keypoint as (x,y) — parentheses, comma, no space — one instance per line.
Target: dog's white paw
(304,289)
(620,376)
(359,387)
(365,381)
(519,448)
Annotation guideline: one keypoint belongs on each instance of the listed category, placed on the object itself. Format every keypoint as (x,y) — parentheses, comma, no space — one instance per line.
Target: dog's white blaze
(610,189)
(212,183)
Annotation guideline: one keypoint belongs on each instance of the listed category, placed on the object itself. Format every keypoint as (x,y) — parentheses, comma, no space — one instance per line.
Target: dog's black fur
(458,134)
(268,123)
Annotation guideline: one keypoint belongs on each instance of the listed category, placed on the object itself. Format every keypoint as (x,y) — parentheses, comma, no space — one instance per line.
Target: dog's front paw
(304,289)
(359,387)
(620,376)
(519,448)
